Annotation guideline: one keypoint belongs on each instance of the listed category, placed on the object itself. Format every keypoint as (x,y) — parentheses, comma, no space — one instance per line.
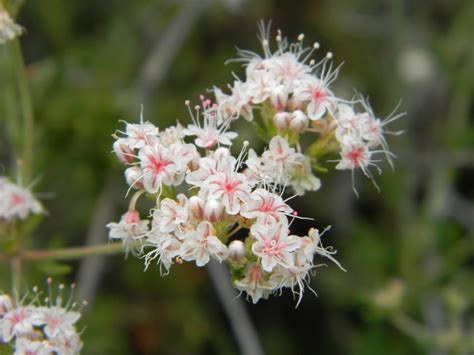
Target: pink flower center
(272,248)
(318,95)
(17,200)
(157,165)
(355,155)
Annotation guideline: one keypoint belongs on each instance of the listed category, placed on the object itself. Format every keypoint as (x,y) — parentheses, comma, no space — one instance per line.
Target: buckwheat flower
(260,85)
(266,204)
(70,345)
(141,134)
(202,244)
(316,91)
(172,216)
(8,28)
(217,161)
(129,230)
(289,70)
(164,165)
(25,346)
(172,134)
(294,277)
(276,163)
(354,154)
(234,105)
(17,322)
(316,246)
(349,123)
(16,201)
(163,247)
(56,320)
(256,282)
(213,130)
(273,244)
(231,188)
(303,179)
(123,150)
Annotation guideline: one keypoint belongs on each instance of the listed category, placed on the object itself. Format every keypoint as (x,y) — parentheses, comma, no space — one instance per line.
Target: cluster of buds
(8,28)
(16,202)
(43,326)
(211,204)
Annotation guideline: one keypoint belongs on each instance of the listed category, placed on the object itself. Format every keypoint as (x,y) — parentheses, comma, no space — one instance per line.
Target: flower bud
(123,151)
(6,304)
(134,176)
(279,97)
(131,217)
(213,211)
(236,250)
(280,120)
(299,122)
(196,206)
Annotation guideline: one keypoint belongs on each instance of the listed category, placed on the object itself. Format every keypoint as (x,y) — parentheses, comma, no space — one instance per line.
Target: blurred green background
(408,250)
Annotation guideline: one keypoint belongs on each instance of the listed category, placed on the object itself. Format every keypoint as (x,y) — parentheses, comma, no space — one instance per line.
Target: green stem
(73,253)
(65,253)
(27,113)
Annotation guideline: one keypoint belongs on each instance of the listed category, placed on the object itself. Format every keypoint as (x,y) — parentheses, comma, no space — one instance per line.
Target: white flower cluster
(230,210)
(293,93)
(41,327)
(16,201)
(212,204)
(8,28)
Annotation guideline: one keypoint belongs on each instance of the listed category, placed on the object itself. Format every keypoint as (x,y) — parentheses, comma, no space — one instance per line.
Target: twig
(242,326)
(72,253)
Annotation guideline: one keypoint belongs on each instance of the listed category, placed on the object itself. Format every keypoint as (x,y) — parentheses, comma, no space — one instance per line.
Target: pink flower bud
(280,120)
(6,304)
(279,97)
(213,210)
(196,206)
(131,217)
(299,122)
(134,176)
(123,151)
(236,250)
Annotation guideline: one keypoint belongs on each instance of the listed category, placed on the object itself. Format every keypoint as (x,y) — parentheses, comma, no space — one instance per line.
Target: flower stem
(27,113)
(73,253)
(64,253)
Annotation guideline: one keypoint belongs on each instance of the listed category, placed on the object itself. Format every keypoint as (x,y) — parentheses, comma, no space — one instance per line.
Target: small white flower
(164,165)
(172,216)
(256,282)
(201,244)
(25,346)
(129,230)
(213,130)
(321,98)
(266,204)
(274,245)
(164,247)
(56,320)
(17,322)
(303,179)
(8,28)
(16,201)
